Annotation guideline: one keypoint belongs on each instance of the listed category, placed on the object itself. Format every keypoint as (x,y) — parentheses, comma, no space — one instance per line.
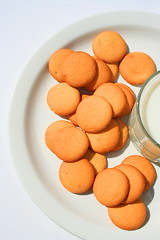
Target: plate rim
(17,116)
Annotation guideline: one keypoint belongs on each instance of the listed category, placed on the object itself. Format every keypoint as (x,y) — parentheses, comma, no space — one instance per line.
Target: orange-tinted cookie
(136,67)
(128,216)
(136,182)
(83,96)
(111,187)
(70,144)
(114,95)
(104,75)
(52,130)
(77,177)
(109,46)
(106,140)
(63,99)
(124,85)
(114,70)
(144,166)
(130,97)
(93,114)
(79,69)
(98,160)
(72,117)
(123,134)
(56,61)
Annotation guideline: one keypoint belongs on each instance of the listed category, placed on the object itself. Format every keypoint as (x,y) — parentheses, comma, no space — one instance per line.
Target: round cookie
(63,99)
(83,96)
(114,95)
(79,69)
(124,85)
(106,140)
(136,182)
(56,62)
(114,70)
(93,114)
(98,160)
(144,166)
(77,177)
(104,75)
(52,130)
(73,118)
(128,216)
(130,97)
(136,67)
(123,134)
(109,46)
(111,187)
(70,144)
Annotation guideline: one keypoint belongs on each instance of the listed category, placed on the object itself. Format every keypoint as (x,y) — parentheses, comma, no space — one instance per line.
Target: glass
(139,134)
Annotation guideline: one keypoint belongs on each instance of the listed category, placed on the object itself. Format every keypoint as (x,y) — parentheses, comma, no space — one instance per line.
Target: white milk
(150,109)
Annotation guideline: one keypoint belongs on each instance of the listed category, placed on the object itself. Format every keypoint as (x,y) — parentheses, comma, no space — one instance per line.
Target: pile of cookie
(95,126)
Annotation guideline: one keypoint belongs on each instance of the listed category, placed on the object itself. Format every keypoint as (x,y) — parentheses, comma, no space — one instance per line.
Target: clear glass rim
(138,107)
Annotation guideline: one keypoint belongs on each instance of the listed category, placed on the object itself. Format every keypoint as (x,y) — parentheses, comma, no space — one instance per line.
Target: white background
(24,27)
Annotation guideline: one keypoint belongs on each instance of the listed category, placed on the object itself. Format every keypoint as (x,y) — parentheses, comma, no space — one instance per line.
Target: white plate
(37,167)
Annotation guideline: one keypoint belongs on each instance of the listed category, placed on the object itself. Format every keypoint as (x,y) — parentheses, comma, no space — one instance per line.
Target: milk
(150,109)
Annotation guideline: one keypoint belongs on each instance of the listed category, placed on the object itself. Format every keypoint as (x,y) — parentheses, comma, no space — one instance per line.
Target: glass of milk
(144,122)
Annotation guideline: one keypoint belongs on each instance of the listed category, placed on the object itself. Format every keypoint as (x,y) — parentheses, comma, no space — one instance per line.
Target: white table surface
(24,27)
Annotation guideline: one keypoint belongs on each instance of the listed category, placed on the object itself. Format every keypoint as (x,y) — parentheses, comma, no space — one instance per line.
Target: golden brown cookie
(111,187)
(114,95)
(93,114)
(56,61)
(136,182)
(104,75)
(72,117)
(136,67)
(63,99)
(70,144)
(144,166)
(52,130)
(106,140)
(109,46)
(130,97)
(123,134)
(114,70)
(77,177)
(128,216)
(79,69)
(83,96)
(98,160)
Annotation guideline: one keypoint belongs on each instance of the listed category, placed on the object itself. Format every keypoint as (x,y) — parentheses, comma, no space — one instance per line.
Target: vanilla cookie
(104,75)
(144,166)
(106,140)
(111,187)
(56,62)
(70,144)
(77,177)
(99,161)
(128,216)
(63,99)
(137,67)
(93,114)
(114,95)
(109,46)
(136,182)
(51,131)
(79,69)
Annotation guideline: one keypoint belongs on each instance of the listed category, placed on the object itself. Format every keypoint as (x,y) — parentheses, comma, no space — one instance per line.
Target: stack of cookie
(95,126)
(120,189)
